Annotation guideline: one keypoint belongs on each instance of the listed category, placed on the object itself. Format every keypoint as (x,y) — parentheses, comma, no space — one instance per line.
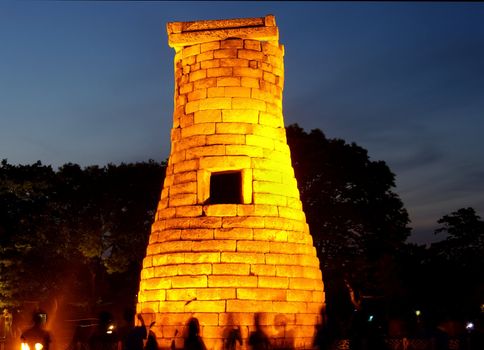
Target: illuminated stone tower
(230,239)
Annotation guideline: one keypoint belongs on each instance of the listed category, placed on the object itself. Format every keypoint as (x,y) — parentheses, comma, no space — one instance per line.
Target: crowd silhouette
(361,333)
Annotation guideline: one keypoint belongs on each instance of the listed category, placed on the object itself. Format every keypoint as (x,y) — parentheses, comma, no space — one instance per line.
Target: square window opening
(226,188)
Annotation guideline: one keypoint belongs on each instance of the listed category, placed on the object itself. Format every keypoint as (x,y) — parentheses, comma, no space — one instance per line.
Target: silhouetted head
(39,318)
(257,317)
(193,327)
(104,319)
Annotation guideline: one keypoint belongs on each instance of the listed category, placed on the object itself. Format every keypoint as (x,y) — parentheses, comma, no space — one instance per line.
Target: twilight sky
(92,83)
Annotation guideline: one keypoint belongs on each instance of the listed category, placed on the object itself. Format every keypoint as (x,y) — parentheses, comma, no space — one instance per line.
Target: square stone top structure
(182,34)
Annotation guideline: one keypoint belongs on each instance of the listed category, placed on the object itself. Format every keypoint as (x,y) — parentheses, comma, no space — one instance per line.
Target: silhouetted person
(36,337)
(193,340)
(104,336)
(325,335)
(258,340)
(151,343)
(131,337)
(234,336)
(80,339)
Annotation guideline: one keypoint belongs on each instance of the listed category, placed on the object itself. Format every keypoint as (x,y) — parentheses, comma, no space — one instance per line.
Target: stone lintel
(182,34)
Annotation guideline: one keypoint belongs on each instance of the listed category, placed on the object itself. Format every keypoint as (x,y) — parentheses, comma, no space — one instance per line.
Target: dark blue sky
(92,83)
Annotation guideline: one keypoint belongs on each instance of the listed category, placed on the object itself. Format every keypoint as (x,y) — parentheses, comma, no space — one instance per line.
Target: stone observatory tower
(230,245)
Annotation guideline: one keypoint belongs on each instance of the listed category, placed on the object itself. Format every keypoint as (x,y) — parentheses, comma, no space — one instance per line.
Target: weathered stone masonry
(224,255)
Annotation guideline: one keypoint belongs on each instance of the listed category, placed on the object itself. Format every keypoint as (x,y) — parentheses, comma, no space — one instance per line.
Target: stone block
(223,139)
(261,294)
(237,91)
(197,94)
(209,46)
(219,72)
(240,115)
(227,81)
(214,245)
(170,258)
(152,295)
(262,95)
(215,293)
(243,221)
(198,75)
(206,222)
(270,235)
(267,198)
(205,83)
(183,294)
(186,88)
(220,210)
(289,213)
(232,281)
(252,45)
(253,246)
(247,72)
(181,200)
(199,129)
(207,116)
(175,223)
(237,318)
(185,187)
(262,270)
(303,283)
(194,269)
(252,305)
(233,233)
(192,106)
(157,283)
(289,271)
(231,269)
(186,120)
(196,234)
(216,92)
(221,162)
(204,56)
(249,82)
(189,281)
(191,50)
(202,257)
(166,213)
(210,64)
(241,257)
(165,271)
(248,103)
(205,151)
(147,272)
(174,246)
(234,128)
(234,62)
(289,307)
(243,150)
(250,55)
(150,306)
(171,306)
(235,43)
(187,61)
(260,141)
(214,103)
(269,119)
(225,53)
(188,176)
(191,141)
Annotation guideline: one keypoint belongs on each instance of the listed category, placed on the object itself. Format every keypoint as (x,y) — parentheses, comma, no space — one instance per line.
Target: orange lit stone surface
(224,262)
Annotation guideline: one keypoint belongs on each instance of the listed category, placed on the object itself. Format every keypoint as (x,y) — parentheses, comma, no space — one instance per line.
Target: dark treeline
(80,234)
